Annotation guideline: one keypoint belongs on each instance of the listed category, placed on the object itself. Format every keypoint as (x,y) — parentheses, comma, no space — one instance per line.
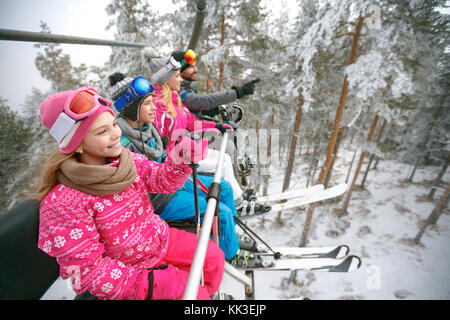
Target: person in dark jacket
(196,102)
(206,104)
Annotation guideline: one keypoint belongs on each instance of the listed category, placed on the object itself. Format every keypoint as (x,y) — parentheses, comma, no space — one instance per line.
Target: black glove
(245,89)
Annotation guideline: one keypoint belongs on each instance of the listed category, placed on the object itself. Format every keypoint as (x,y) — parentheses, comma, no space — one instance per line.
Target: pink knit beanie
(69,132)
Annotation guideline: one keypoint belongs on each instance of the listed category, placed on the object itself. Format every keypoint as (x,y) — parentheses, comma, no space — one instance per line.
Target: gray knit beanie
(161,69)
(119,84)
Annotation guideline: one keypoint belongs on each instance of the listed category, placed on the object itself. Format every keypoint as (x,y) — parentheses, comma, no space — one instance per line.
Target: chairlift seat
(26,272)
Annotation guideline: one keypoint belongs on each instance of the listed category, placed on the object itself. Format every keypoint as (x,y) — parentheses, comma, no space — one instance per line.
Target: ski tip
(350,264)
(343,185)
(343,251)
(339,252)
(355,263)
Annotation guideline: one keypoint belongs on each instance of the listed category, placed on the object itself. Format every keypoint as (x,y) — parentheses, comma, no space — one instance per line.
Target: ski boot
(246,243)
(249,208)
(249,195)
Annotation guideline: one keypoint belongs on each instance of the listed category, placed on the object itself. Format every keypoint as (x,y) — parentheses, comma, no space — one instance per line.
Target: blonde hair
(49,173)
(166,97)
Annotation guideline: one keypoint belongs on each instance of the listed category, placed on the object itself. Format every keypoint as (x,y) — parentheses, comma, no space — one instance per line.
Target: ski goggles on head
(139,87)
(173,63)
(189,57)
(81,104)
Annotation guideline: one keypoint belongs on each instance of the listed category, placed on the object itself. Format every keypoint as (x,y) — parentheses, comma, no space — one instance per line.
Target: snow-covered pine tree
(411,52)
(372,155)
(381,79)
(135,21)
(318,46)
(15,137)
(235,47)
(55,66)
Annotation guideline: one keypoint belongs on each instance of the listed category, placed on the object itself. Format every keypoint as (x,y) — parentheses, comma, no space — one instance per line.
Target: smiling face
(190,73)
(102,141)
(147,110)
(175,81)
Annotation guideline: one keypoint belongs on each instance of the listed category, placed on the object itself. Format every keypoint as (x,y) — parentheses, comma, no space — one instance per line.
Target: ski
(336,252)
(349,264)
(290,194)
(297,202)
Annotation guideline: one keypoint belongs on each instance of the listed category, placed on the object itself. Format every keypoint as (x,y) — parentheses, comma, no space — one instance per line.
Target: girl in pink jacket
(170,121)
(96,218)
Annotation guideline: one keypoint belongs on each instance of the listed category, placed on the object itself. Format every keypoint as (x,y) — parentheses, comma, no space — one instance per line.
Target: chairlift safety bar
(193,281)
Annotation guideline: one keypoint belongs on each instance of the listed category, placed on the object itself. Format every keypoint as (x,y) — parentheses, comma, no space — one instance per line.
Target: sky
(83,18)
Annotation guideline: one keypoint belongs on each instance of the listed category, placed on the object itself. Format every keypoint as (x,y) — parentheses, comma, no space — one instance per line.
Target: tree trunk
(337,123)
(351,166)
(208,80)
(343,211)
(413,172)
(313,157)
(384,140)
(307,150)
(336,150)
(438,179)
(290,166)
(373,155)
(432,125)
(257,182)
(367,171)
(433,217)
(269,155)
(222,41)
(424,143)
(287,176)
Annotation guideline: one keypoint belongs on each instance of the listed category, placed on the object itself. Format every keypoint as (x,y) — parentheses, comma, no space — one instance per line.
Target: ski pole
(193,281)
(201,186)
(276,255)
(194,166)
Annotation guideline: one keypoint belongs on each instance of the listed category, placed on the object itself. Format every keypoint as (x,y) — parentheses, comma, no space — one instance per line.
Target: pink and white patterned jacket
(107,243)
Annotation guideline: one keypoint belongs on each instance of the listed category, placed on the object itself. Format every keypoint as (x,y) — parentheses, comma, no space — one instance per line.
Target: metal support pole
(249,290)
(193,281)
(28,36)
(200,8)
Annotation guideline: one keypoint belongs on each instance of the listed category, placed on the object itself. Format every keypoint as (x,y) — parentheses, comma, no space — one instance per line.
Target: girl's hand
(187,150)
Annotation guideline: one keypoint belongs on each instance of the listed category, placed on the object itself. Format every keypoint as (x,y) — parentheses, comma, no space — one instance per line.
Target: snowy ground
(381,218)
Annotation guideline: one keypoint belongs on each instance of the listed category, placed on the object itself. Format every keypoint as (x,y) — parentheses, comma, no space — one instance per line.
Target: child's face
(147,110)
(102,141)
(175,81)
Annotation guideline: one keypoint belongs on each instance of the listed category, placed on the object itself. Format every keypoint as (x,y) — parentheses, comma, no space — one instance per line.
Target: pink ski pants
(180,252)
